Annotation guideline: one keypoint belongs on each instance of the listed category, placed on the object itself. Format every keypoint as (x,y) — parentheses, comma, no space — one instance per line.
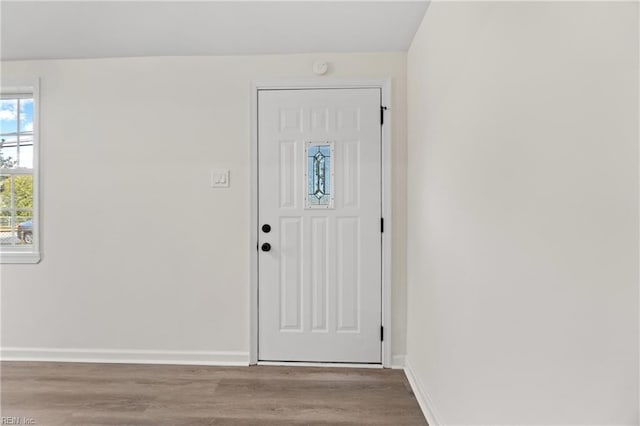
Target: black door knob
(266,247)
(266,228)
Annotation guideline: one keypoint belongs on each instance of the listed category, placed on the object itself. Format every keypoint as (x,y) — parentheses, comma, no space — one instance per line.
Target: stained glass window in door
(319,175)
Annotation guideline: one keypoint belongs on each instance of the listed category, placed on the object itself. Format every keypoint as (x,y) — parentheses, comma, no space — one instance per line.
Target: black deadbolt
(266,247)
(266,228)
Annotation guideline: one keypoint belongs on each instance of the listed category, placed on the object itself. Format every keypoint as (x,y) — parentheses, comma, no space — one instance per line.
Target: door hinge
(382,224)
(382,110)
(381,333)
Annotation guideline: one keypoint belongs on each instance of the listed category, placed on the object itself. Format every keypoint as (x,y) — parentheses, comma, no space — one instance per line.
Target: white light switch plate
(220,178)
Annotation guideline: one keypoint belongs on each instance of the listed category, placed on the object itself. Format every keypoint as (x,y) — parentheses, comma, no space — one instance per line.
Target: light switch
(220,178)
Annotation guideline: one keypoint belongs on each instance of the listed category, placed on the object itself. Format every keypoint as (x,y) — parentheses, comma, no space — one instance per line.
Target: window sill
(19,258)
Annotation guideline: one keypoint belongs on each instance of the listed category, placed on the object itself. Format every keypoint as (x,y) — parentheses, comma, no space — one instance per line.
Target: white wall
(139,253)
(523,212)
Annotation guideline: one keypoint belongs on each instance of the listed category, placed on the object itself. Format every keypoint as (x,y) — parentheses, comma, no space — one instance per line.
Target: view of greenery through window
(16,171)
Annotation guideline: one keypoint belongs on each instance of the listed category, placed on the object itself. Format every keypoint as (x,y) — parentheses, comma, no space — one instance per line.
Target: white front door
(319,213)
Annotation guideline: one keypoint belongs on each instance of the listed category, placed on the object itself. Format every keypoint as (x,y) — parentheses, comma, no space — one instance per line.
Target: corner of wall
(422,396)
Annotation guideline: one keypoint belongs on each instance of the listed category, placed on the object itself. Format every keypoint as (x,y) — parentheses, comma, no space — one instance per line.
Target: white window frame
(31,253)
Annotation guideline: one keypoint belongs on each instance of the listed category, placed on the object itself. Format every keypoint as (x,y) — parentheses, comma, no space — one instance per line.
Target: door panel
(319,170)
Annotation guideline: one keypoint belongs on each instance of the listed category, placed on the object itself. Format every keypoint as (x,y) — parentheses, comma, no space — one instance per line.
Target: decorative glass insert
(319,175)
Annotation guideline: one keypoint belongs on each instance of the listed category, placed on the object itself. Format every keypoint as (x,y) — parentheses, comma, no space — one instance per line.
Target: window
(319,174)
(19,175)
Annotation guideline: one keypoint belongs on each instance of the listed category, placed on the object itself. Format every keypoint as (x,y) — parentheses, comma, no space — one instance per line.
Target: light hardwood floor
(128,394)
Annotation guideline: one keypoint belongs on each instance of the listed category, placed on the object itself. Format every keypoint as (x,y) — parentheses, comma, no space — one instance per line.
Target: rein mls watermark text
(17,420)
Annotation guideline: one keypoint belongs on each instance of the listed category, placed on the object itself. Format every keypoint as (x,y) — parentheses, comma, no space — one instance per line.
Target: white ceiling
(99,29)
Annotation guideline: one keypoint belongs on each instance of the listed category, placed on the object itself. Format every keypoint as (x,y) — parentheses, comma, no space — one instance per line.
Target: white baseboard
(426,404)
(397,362)
(318,364)
(132,356)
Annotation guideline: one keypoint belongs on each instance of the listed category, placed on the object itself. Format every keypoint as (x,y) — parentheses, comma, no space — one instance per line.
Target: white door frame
(385,86)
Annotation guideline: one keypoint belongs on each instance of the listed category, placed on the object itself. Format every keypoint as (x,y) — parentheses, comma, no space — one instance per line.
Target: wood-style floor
(127,394)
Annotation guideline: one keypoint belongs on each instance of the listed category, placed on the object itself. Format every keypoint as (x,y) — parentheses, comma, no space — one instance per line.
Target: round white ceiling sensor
(320,67)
